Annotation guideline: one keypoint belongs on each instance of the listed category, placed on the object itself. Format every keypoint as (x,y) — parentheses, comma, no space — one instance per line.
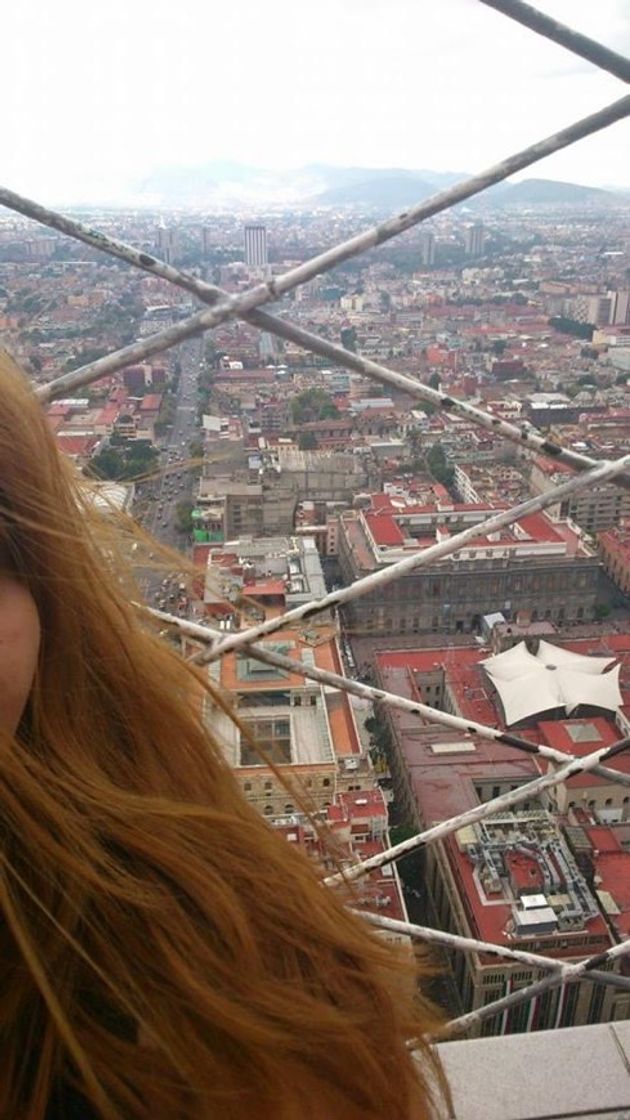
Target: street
(174,483)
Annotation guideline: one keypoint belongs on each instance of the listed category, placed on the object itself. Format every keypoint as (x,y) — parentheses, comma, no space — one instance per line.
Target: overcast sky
(96,95)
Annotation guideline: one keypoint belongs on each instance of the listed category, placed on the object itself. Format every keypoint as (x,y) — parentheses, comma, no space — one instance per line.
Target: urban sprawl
(281,475)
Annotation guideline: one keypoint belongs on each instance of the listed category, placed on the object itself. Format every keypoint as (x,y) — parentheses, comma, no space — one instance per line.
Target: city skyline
(183,87)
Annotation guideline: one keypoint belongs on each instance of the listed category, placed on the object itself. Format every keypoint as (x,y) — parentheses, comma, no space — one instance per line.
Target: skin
(19,648)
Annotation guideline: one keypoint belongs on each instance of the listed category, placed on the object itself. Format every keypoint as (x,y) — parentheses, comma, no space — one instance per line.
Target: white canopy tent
(552,678)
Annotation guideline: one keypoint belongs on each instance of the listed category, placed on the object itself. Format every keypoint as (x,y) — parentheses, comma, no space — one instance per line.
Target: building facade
(594,509)
(550,875)
(536,566)
(256,246)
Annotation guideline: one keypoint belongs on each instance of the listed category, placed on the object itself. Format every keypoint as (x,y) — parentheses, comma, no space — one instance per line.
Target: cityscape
(278,477)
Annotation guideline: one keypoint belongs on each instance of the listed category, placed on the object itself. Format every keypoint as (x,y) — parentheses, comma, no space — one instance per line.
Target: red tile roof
(384,530)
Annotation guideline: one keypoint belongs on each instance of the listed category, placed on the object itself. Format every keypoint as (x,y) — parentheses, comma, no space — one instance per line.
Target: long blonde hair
(161,948)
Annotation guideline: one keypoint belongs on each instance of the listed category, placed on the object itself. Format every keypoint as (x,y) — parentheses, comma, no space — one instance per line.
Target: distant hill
(545,192)
(389,190)
(224,183)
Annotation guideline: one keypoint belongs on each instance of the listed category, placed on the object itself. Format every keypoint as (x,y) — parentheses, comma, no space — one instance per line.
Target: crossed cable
(222,306)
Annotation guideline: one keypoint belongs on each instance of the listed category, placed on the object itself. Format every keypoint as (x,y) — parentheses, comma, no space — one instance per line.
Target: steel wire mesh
(248,306)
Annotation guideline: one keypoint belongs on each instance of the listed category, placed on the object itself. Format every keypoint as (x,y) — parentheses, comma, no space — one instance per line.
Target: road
(174,484)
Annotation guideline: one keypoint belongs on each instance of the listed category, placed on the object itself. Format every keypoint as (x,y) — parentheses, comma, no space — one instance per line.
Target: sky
(96,96)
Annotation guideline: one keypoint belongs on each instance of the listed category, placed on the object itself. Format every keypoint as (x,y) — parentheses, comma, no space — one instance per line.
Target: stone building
(537,565)
(550,875)
(594,509)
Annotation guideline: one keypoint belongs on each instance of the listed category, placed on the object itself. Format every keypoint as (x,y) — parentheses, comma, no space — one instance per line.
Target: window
(493,978)
(491,995)
(268,785)
(272,735)
(596,1004)
(608,802)
(326,783)
(268,810)
(247,787)
(289,808)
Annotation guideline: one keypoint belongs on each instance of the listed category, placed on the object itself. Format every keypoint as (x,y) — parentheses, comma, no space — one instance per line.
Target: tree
(126,462)
(572,327)
(183,516)
(434,380)
(313,404)
(349,338)
(107,464)
(307,441)
(439,465)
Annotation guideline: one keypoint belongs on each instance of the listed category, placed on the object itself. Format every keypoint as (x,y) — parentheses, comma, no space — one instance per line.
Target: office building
(256,246)
(474,238)
(427,248)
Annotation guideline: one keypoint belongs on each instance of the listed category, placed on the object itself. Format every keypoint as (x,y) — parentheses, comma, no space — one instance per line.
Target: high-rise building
(167,243)
(474,238)
(620,311)
(256,246)
(427,248)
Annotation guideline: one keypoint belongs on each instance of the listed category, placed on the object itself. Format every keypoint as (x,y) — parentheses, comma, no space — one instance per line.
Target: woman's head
(140,896)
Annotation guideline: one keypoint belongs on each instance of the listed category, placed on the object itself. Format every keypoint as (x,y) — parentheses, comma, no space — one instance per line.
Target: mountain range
(226,184)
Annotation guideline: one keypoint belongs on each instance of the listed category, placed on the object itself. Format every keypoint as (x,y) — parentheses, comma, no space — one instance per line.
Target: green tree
(434,380)
(107,464)
(572,327)
(439,465)
(307,441)
(313,404)
(183,516)
(349,338)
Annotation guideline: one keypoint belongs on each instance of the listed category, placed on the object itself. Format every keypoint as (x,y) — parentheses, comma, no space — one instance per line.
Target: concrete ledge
(577,1072)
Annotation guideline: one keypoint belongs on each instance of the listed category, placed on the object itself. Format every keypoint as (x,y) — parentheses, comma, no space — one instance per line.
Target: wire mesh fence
(222,306)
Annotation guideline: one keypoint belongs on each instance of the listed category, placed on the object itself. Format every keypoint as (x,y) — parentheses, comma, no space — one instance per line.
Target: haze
(101,95)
